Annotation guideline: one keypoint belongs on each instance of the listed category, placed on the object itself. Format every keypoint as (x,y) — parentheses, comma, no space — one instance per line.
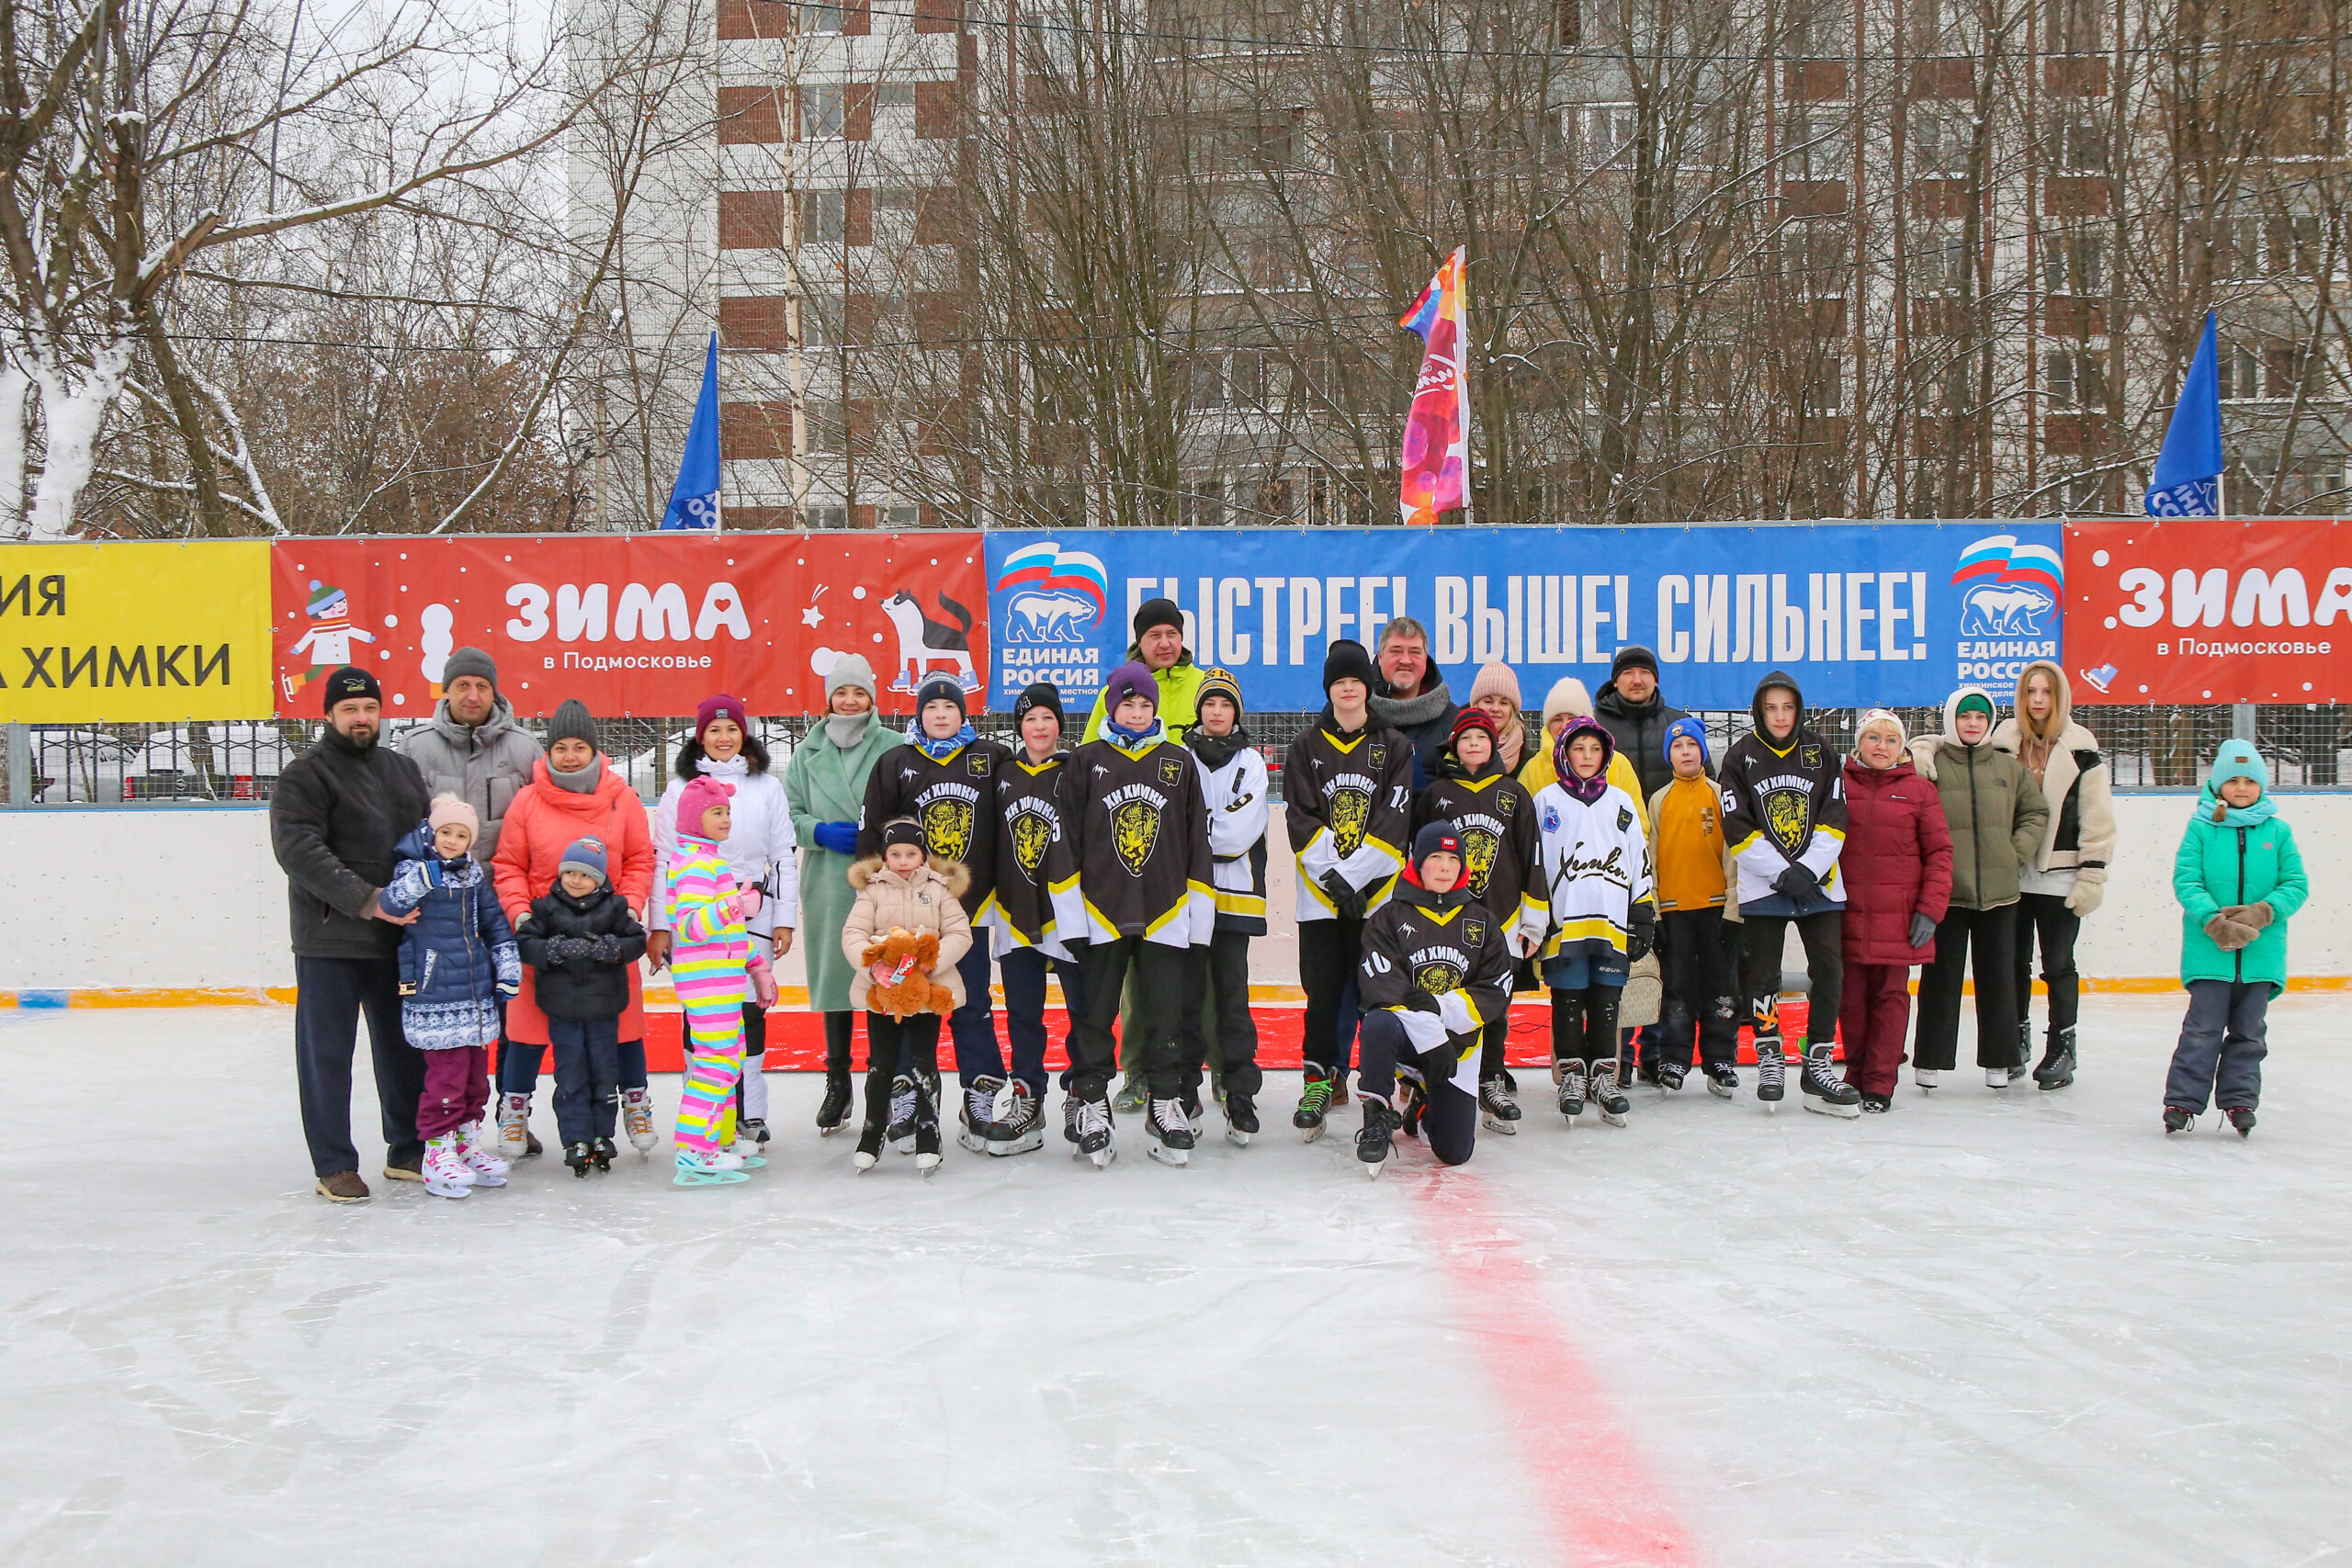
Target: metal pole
(2241,722)
(20,764)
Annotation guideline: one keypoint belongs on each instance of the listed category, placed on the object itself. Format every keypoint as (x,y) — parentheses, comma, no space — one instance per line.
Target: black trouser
(1450,1119)
(2223,1041)
(1992,935)
(1492,1042)
(895,1045)
(1024,970)
(2046,914)
(1695,951)
(1158,1015)
(841,1028)
(330,995)
(587,1074)
(1822,934)
(1222,968)
(1584,1024)
(1330,952)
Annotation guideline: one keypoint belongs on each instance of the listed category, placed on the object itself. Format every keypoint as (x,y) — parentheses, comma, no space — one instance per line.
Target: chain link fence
(111,765)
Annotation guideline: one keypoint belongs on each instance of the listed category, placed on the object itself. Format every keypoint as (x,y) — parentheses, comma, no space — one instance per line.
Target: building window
(827,515)
(2234,362)
(823,218)
(2077,378)
(823,111)
(1604,133)
(1940,138)
(2071,27)
(1203,503)
(820,16)
(2073,264)
(900,516)
(2078,141)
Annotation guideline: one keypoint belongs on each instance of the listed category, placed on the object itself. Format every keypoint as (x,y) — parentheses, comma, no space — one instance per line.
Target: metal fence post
(2241,722)
(20,764)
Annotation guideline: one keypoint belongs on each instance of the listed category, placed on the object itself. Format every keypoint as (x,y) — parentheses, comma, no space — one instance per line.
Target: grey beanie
(851,670)
(468,661)
(573,721)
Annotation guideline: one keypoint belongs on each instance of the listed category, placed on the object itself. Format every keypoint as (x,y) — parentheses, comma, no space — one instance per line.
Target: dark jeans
(1876,1008)
(2046,915)
(587,1074)
(1222,968)
(973,1025)
(1761,940)
(457,1090)
(332,993)
(1701,972)
(2222,1041)
(1329,954)
(1450,1123)
(894,1047)
(1991,934)
(1025,970)
(841,1029)
(519,1062)
(1584,1024)
(1159,1014)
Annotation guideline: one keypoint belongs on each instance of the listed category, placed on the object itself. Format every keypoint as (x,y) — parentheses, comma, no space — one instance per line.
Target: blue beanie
(1691,726)
(2237,760)
(585,855)
(1435,838)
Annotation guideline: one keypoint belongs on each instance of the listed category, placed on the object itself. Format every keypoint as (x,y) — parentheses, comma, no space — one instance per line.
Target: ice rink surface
(2022,1329)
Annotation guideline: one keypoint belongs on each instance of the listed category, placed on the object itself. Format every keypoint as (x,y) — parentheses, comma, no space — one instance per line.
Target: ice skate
(1378,1136)
(1824,1090)
(1093,1124)
(1723,1080)
(1241,1117)
(927,1132)
(1017,1122)
(975,1118)
(579,1156)
(1927,1078)
(1671,1076)
(904,1108)
(488,1169)
(1996,1078)
(1412,1101)
(1771,1072)
(1497,1112)
(753,1130)
(1070,1131)
(446,1174)
(2057,1068)
(513,1125)
(1314,1103)
(1876,1105)
(1602,1090)
(1168,1132)
(1569,1077)
(869,1147)
(2178,1119)
(833,1111)
(637,1119)
(1131,1098)
(2242,1118)
(602,1151)
(707,1169)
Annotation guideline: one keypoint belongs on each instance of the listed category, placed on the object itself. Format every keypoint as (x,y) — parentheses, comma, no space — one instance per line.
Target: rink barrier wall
(186,906)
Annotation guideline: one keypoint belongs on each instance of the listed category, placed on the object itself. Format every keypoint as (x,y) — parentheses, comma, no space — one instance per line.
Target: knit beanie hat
(1040,694)
(698,798)
(1132,679)
(468,661)
(850,670)
(573,721)
(1348,660)
(1472,719)
(902,830)
(2237,760)
(1968,699)
(1219,682)
(940,688)
(1681,727)
(1157,613)
(1872,717)
(1633,656)
(449,808)
(1495,679)
(1567,695)
(719,704)
(326,602)
(351,681)
(1435,837)
(585,855)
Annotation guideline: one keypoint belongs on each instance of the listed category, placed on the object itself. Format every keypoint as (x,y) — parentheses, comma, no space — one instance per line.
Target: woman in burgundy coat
(1897,870)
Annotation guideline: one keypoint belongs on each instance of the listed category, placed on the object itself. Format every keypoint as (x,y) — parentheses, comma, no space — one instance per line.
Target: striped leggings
(714,1066)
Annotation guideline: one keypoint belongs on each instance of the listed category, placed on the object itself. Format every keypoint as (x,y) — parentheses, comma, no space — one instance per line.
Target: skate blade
(1102,1157)
(1167,1156)
(862,1163)
(1372,1170)
(1308,1134)
(1822,1108)
(448,1191)
(481,1180)
(1033,1139)
(1497,1124)
(709,1178)
(825,1131)
(927,1164)
(1719,1090)
(1612,1118)
(1238,1138)
(970,1143)
(754,1162)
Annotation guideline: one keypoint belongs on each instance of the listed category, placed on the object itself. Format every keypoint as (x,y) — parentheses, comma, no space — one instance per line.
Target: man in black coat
(1411,697)
(1634,713)
(338,810)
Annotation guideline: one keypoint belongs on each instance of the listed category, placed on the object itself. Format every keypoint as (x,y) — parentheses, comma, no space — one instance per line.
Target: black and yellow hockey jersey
(1134,856)
(1348,799)
(1451,946)
(1495,815)
(1028,811)
(952,799)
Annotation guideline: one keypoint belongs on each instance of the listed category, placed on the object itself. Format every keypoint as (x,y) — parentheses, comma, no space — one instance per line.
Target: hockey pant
(1450,1121)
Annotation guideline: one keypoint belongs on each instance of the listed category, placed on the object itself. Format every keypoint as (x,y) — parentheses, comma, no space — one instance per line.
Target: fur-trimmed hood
(954,875)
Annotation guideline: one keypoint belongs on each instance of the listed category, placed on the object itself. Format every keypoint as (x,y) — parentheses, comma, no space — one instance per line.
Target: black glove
(1923,929)
(1799,885)
(605,949)
(576,949)
(1418,1000)
(1639,941)
(1350,904)
(1437,1067)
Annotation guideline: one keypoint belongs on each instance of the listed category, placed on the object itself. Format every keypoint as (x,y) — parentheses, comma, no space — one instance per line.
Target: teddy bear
(901,965)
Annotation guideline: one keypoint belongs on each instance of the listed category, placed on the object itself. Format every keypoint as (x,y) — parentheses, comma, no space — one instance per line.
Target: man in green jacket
(1160,645)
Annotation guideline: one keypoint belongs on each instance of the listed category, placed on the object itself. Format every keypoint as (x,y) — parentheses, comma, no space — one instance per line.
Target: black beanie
(902,830)
(1042,695)
(351,681)
(1435,837)
(1158,612)
(573,721)
(1633,656)
(1346,661)
(940,688)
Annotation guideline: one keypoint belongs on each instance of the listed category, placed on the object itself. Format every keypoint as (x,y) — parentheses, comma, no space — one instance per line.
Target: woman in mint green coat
(825,782)
(2238,876)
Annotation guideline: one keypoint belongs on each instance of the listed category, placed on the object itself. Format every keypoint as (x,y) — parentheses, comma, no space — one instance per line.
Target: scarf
(846,729)
(1133,740)
(937,749)
(1510,743)
(1404,713)
(1587,790)
(2212,807)
(581,781)
(736,767)
(1215,751)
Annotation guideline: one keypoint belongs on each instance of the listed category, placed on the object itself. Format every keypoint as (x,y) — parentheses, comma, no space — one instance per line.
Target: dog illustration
(923,642)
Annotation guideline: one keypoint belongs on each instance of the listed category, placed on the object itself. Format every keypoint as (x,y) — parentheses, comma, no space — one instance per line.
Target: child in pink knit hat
(713,961)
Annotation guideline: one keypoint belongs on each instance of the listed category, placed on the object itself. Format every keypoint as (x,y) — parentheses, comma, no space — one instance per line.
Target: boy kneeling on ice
(1435,973)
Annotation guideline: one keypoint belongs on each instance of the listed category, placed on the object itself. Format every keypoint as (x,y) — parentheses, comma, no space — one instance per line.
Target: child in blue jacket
(2238,876)
(457,959)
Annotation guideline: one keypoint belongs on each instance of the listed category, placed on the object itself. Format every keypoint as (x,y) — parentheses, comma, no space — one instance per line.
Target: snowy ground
(2022,1330)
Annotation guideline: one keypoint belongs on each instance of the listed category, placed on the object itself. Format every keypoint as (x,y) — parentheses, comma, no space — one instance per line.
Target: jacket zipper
(1976,829)
(2237,959)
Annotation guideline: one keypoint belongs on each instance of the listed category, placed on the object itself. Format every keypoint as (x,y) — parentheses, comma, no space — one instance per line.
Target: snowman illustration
(329,639)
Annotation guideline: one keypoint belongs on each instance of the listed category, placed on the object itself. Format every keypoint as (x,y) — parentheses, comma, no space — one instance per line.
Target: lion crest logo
(1478,857)
(1171,770)
(1135,828)
(1350,812)
(1031,834)
(1784,814)
(1474,931)
(1437,978)
(948,827)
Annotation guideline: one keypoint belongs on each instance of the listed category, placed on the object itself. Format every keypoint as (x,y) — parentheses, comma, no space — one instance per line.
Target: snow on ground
(2017,1330)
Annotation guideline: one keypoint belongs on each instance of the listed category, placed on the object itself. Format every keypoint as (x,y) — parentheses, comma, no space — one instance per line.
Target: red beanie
(719,704)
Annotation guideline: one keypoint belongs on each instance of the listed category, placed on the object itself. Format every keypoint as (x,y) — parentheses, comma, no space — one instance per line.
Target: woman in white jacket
(761,849)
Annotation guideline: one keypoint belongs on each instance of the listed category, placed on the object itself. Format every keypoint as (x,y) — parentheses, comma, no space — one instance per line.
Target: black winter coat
(580,989)
(1639,730)
(334,821)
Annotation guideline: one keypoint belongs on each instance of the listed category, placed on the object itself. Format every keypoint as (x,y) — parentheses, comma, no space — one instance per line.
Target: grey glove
(1923,929)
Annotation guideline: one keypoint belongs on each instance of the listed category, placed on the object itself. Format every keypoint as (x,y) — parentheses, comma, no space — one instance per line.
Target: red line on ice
(1568,1436)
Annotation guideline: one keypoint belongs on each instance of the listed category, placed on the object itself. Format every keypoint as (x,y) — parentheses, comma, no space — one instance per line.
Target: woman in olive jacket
(1997,816)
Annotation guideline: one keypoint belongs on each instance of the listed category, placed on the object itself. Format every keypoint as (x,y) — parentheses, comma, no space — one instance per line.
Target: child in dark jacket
(580,940)
(457,959)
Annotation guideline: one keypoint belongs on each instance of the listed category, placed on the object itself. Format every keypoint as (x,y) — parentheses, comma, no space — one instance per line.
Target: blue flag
(2188,480)
(694,500)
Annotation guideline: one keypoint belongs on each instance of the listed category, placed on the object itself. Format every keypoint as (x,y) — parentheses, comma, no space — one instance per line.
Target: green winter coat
(1996,812)
(2248,857)
(825,784)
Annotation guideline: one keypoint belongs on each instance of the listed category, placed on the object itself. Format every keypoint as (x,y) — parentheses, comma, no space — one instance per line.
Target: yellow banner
(131,633)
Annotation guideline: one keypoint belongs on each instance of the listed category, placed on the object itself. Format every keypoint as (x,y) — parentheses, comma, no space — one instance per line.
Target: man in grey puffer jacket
(474,749)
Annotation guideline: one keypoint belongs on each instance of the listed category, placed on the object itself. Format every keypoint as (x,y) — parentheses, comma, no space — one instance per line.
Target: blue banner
(1892,614)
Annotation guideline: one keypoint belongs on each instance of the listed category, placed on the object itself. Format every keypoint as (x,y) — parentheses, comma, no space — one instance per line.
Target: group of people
(472,893)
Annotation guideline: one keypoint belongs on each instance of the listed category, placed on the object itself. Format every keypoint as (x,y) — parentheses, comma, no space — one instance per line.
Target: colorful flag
(1437,428)
(694,500)
(2188,480)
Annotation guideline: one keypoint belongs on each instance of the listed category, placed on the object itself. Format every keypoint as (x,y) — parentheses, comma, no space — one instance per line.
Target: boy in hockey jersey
(1692,863)
(1595,865)
(1134,874)
(1785,812)
(1233,789)
(1347,798)
(1029,940)
(1436,972)
(943,778)
(1494,815)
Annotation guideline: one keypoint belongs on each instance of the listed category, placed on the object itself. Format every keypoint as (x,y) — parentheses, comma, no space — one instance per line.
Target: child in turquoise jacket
(2238,876)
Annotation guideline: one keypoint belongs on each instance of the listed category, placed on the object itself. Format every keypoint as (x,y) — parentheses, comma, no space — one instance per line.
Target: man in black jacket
(1634,712)
(1411,697)
(338,810)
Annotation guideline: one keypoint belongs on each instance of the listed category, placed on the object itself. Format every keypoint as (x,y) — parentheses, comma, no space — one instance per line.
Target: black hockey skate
(1412,1101)
(975,1118)
(1240,1118)
(1723,1079)
(1771,1069)
(753,1129)
(2242,1118)
(1314,1103)
(1017,1122)
(1378,1136)
(1825,1091)
(833,1111)
(1602,1090)
(1497,1112)
(1876,1105)
(2057,1068)
(579,1156)
(2178,1119)
(906,1109)
(602,1152)
(1569,1075)
(1168,1131)
(1092,1122)
(1670,1076)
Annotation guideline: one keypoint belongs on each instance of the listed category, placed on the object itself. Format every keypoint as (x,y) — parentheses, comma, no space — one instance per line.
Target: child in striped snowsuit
(714,965)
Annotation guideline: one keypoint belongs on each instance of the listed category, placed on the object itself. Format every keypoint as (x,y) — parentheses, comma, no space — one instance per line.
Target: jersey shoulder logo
(1172,769)
(1624,818)
(1378,755)
(977,765)
(1551,818)
(1813,756)
(1135,829)
(1505,801)
(1474,931)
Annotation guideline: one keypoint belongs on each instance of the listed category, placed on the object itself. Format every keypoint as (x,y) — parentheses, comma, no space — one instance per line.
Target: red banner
(2196,610)
(641,624)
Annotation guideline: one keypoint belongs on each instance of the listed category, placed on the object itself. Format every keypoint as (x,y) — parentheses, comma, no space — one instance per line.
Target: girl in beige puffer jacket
(908,890)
